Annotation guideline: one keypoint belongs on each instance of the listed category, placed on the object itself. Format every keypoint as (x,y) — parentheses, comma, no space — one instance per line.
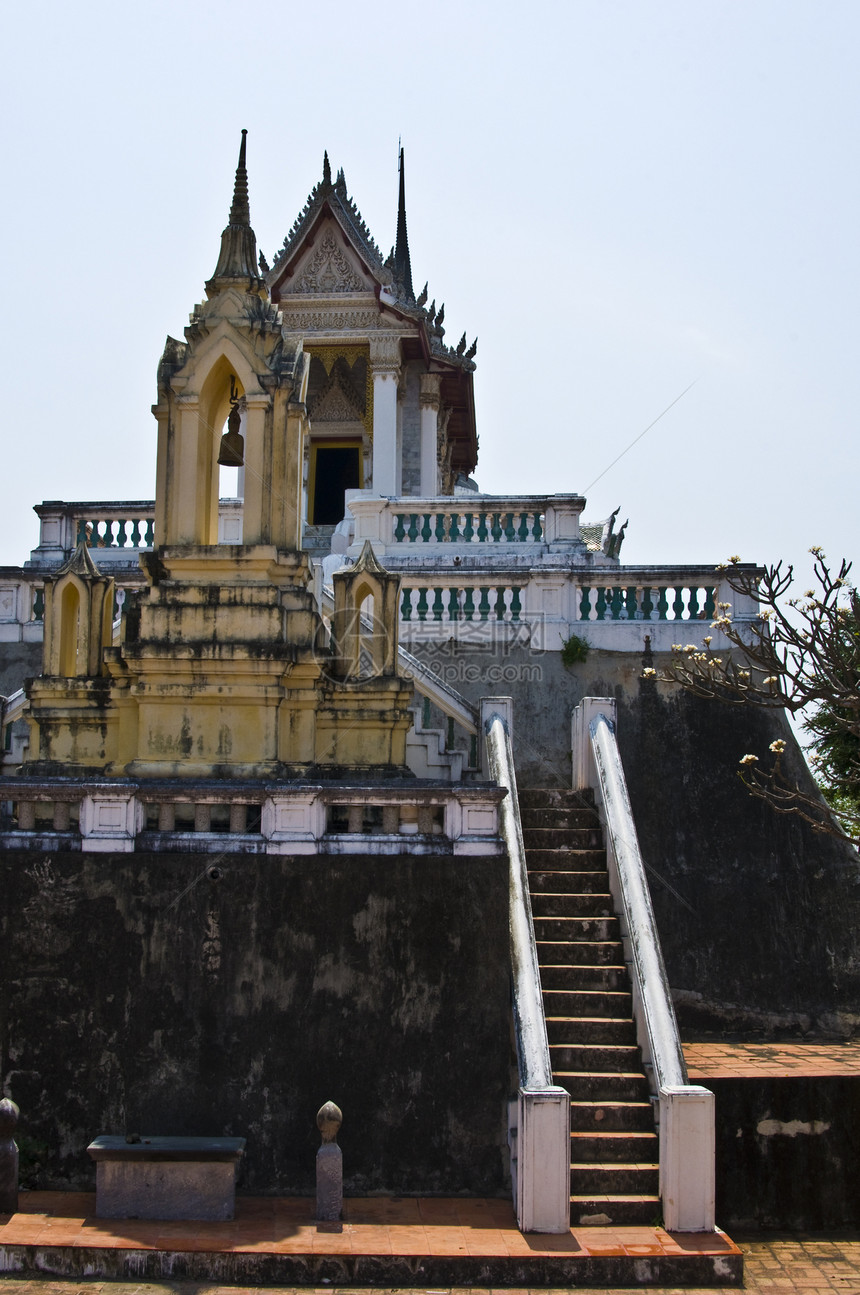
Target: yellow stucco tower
(223,665)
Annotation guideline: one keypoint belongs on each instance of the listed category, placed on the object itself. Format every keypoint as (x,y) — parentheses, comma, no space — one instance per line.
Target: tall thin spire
(402,262)
(237,262)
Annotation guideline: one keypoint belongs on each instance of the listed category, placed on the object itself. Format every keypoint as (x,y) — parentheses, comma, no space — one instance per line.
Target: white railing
(686,1111)
(468,523)
(540,1135)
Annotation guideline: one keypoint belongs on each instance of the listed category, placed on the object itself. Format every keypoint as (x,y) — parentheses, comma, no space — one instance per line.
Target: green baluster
(678,604)
(468,531)
(399,530)
(710,603)
(149,534)
(694,603)
(496,529)
(510,533)
(662,604)
(412,533)
(585,604)
(647,605)
(523,528)
(600,608)
(482,527)
(484,604)
(425,529)
(617,603)
(515,602)
(500,603)
(422,604)
(453,527)
(82,531)
(440,527)
(406,605)
(135,533)
(453,604)
(438,607)
(538,529)
(39,604)
(631,603)
(469,605)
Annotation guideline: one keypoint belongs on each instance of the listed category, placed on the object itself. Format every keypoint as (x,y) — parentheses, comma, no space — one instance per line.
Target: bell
(231,452)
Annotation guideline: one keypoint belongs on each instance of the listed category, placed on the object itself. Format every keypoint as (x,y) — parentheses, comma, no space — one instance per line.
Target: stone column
(385,366)
(429,401)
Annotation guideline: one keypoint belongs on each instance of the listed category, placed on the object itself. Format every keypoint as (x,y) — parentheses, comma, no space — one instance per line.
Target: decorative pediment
(328,270)
(338,402)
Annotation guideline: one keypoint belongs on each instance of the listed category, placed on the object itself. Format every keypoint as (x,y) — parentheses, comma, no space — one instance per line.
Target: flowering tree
(802,656)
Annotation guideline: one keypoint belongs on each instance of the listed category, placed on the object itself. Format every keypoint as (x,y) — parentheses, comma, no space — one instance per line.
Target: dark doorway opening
(334,469)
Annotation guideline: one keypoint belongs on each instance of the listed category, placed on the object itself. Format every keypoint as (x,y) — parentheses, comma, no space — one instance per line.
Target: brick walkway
(774,1060)
(773,1264)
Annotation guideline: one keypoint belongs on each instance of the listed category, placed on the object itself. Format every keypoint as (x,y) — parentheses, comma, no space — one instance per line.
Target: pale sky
(619,197)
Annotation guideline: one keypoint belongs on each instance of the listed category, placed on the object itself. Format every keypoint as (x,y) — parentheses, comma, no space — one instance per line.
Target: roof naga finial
(326,168)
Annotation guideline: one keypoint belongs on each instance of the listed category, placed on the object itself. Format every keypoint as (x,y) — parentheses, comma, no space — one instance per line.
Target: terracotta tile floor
(813,1265)
(777,1060)
(371,1226)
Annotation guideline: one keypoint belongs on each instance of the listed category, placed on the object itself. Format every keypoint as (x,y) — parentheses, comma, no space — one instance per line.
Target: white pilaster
(385,366)
(429,401)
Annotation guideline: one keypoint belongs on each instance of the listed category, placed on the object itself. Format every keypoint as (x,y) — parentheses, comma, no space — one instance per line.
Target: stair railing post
(489,706)
(584,770)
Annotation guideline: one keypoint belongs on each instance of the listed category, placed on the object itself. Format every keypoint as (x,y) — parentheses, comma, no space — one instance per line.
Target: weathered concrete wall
(758,914)
(18,661)
(788,1152)
(139,995)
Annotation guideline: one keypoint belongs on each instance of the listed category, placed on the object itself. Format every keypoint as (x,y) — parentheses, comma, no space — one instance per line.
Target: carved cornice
(385,356)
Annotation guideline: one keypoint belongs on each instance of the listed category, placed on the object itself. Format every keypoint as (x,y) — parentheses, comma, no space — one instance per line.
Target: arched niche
(353,587)
(78,618)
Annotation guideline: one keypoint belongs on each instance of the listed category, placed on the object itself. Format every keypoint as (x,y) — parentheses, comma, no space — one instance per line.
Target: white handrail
(540,1140)
(686,1111)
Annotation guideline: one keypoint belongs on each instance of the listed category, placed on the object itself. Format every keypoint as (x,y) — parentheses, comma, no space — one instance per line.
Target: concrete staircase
(589,1013)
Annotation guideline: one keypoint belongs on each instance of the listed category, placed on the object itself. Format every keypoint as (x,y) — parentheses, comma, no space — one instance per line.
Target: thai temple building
(327,776)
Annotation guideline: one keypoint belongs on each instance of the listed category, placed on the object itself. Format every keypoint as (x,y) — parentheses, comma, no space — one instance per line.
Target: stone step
(572,883)
(562,838)
(615,1179)
(595,1056)
(603,1211)
(612,1117)
(611,979)
(557,860)
(591,1029)
(554,816)
(588,1002)
(555,797)
(559,955)
(608,1146)
(603,1086)
(547,903)
(576,928)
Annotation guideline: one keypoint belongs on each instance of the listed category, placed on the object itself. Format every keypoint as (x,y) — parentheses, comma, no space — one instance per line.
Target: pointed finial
(402,262)
(470,354)
(326,168)
(422,297)
(238,258)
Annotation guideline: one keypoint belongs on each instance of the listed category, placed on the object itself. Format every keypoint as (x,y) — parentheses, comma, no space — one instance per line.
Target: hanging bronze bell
(231,452)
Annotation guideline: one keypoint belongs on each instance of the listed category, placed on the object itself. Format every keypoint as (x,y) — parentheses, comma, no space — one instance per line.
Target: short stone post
(8,1158)
(329,1165)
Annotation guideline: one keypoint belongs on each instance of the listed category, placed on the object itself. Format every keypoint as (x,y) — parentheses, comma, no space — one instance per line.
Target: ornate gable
(338,402)
(327,269)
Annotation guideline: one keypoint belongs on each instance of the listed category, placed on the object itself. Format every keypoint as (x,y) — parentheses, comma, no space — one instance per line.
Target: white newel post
(429,399)
(385,365)
(489,707)
(543,1160)
(580,738)
(687,1158)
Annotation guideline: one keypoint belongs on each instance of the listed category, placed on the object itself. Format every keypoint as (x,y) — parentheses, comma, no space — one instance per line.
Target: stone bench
(166,1178)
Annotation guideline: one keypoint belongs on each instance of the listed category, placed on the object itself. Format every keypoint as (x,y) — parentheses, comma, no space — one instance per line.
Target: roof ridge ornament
(237,262)
(402,262)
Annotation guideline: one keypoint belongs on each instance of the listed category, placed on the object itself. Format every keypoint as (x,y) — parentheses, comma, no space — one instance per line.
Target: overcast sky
(620,198)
